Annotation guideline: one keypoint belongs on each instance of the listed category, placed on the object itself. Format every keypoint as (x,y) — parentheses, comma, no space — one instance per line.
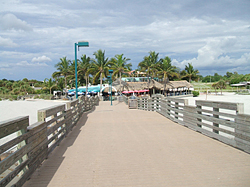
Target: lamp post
(110,81)
(79,44)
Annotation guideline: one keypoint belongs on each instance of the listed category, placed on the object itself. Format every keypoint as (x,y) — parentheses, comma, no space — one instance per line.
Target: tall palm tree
(167,70)
(215,86)
(150,63)
(190,72)
(63,68)
(99,66)
(83,68)
(119,64)
(222,85)
(59,83)
(49,83)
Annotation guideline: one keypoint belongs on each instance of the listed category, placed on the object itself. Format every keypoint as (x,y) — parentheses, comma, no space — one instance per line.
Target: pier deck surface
(117,146)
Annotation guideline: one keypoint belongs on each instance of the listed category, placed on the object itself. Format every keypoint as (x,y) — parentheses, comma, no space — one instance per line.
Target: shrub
(196,93)
(45,96)
(38,91)
(36,97)
(14,97)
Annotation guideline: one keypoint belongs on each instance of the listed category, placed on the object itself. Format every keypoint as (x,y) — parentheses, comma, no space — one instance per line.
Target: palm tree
(99,66)
(215,86)
(119,64)
(63,68)
(60,83)
(222,85)
(167,70)
(190,72)
(49,83)
(83,68)
(150,63)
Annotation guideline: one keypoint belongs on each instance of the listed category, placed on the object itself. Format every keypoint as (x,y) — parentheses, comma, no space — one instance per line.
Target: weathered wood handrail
(223,121)
(35,142)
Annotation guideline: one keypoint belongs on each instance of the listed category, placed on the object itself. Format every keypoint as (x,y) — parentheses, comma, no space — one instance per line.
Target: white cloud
(4,66)
(10,21)
(6,42)
(27,64)
(216,55)
(183,30)
(41,59)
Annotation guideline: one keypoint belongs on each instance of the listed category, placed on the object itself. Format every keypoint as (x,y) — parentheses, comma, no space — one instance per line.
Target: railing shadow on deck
(24,153)
(54,164)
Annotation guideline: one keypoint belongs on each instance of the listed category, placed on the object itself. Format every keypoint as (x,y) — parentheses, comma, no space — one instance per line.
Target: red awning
(143,91)
(127,92)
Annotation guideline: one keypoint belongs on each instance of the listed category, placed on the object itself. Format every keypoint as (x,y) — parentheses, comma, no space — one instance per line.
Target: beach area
(225,97)
(29,107)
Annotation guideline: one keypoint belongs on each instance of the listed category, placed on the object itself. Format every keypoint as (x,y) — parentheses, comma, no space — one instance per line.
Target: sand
(226,97)
(13,109)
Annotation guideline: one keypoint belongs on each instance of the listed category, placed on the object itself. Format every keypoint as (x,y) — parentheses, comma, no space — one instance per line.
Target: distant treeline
(231,78)
(96,71)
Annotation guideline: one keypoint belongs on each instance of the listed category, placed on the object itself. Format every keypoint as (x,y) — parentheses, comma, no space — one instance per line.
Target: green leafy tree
(120,65)
(2,83)
(167,70)
(25,80)
(217,77)
(60,83)
(4,90)
(215,86)
(221,85)
(245,78)
(99,66)
(24,88)
(84,69)
(190,72)
(9,85)
(229,74)
(63,68)
(150,64)
(49,84)
(16,91)
(236,78)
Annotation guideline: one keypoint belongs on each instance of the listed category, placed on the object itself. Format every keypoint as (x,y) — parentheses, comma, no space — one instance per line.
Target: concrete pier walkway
(115,146)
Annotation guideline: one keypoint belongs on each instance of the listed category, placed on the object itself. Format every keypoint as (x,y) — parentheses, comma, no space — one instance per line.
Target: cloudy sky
(213,35)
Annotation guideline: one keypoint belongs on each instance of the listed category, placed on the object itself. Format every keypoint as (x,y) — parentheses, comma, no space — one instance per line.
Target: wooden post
(242,132)
(21,144)
(240,108)
(188,116)
(41,116)
(215,116)
(199,112)
(176,107)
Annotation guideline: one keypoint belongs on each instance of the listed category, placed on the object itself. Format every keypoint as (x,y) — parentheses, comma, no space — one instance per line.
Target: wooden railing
(224,121)
(21,156)
(125,99)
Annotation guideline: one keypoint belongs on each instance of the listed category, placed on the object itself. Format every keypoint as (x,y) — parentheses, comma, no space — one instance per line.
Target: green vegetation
(120,66)
(100,66)
(195,93)
(12,89)
(190,73)
(167,70)
(230,78)
(95,71)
